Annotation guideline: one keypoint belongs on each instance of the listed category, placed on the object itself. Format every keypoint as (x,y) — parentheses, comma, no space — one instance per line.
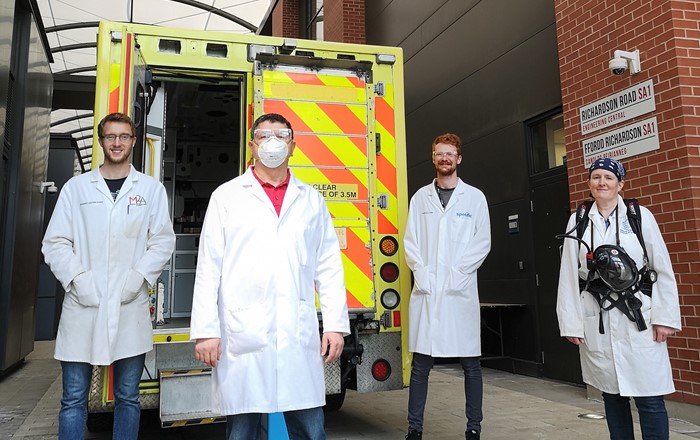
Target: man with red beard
(109,238)
(448,237)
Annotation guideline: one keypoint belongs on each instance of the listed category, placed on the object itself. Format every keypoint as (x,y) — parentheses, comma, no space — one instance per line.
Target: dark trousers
(653,417)
(303,424)
(418,391)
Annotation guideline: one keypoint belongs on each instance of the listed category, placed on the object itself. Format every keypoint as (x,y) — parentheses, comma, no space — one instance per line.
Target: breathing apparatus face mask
(273,152)
(615,267)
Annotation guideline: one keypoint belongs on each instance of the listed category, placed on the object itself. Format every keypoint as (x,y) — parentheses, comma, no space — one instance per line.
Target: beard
(108,158)
(446,168)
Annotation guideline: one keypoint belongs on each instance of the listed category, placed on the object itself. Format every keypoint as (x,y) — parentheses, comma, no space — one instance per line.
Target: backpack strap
(634,215)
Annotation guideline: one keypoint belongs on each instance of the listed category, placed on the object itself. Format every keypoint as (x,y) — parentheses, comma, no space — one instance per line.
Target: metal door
(550,212)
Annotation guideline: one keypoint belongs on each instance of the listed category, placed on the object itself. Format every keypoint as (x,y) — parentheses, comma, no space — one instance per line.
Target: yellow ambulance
(193,96)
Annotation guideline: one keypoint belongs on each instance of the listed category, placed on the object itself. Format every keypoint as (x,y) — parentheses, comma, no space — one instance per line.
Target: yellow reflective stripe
(324,88)
(308,92)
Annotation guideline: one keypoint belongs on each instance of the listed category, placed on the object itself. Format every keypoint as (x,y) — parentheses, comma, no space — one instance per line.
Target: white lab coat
(444,248)
(623,360)
(102,251)
(254,289)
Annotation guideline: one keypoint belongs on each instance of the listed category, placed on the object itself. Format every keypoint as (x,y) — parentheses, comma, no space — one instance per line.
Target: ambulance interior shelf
(189,183)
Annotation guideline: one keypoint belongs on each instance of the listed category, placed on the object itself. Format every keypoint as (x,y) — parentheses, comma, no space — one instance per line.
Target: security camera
(622,60)
(49,187)
(617,66)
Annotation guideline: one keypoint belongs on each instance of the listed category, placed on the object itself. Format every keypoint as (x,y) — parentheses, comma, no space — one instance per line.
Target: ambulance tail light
(389,246)
(381,370)
(389,272)
(390,299)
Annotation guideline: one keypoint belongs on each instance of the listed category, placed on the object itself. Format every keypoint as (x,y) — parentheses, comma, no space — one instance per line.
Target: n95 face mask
(273,152)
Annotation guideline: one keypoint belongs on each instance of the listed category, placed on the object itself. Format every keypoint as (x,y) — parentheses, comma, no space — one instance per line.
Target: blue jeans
(76,384)
(653,417)
(303,424)
(418,391)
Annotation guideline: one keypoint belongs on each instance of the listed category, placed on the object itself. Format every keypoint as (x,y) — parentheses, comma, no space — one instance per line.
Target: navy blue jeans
(303,424)
(418,391)
(76,384)
(653,417)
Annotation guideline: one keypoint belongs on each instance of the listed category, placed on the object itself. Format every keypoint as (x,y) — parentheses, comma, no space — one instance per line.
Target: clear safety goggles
(262,134)
(448,154)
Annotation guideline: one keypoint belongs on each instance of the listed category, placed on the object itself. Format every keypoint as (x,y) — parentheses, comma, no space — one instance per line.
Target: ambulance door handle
(378,143)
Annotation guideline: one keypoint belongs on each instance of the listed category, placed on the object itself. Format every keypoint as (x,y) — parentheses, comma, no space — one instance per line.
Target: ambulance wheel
(100,422)
(334,401)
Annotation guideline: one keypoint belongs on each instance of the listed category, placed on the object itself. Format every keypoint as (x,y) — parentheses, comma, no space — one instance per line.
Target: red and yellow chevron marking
(313,88)
(348,119)
(330,119)
(331,151)
(357,267)
(386,162)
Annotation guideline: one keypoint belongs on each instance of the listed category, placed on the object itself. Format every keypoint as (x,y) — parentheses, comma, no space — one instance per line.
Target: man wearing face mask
(267,245)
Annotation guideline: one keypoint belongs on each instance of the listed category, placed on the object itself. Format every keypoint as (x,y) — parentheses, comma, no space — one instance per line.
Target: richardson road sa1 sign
(622,142)
(626,104)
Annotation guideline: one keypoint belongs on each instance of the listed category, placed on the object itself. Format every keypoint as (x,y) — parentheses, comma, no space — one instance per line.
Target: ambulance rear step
(185,398)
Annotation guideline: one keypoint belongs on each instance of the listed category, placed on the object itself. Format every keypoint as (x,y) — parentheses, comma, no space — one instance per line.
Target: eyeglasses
(263,134)
(113,137)
(450,154)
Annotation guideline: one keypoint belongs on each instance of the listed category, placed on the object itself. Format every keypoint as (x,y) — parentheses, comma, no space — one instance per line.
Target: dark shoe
(472,434)
(414,435)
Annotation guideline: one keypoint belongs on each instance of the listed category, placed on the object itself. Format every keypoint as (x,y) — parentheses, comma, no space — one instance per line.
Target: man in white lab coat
(267,244)
(448,236)
(109,238)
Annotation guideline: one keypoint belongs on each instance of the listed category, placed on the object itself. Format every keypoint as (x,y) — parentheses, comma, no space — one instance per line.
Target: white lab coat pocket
(421,280)
(307,325)
(459,282)
(591,333)
(132,287)
(246,329)
(136,220)
(643,339)
(85,291)
(304,235)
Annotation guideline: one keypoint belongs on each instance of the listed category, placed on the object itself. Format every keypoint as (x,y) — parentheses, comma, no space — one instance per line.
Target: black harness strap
(626,302)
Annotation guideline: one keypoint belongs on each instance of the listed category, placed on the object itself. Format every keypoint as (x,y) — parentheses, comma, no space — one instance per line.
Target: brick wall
(667,181)
(344,21)
(285,19)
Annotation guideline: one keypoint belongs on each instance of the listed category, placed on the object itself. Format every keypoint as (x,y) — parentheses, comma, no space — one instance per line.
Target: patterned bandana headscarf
(608,164)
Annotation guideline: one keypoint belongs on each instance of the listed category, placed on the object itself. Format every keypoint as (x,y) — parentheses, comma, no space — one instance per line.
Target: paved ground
(515,407)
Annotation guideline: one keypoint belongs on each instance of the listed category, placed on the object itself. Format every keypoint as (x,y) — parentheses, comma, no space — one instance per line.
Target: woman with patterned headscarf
(621,333)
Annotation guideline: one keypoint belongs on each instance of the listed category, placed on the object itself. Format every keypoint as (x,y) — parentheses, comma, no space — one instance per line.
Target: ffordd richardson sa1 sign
(630,140)
(627,104)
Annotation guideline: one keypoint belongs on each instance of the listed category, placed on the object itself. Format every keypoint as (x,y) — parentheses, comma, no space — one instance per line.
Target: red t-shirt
(275,193)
